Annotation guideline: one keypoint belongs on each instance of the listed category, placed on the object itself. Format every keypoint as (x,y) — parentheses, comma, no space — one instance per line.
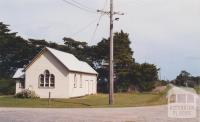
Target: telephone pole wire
(111,91)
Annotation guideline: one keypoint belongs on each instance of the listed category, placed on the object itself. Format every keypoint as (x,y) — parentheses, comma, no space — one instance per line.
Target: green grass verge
(93,101)
(197,89)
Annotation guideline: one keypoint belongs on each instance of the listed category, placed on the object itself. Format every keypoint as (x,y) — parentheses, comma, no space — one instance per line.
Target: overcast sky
(163,32)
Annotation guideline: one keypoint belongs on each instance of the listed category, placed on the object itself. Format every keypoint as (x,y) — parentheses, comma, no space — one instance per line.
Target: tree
(182,78)
(72,44)
(149,76)
(123,56)
(14,51)
(79,49)
(186,79)
(129,75)
(140,77)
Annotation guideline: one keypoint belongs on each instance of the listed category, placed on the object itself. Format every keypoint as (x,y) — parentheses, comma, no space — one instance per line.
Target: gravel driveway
(138,114)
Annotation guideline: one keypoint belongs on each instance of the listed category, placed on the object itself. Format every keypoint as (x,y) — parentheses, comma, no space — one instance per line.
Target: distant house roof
(19,73)
(70,61)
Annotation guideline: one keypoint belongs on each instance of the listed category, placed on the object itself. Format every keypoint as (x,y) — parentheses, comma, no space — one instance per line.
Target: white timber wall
(82,84)
(17,87)
(47,61)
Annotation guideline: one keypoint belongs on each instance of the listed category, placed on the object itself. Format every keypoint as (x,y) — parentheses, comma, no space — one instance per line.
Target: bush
(26,94)
(160,83)
(7,87)
(146,86)
(102,87)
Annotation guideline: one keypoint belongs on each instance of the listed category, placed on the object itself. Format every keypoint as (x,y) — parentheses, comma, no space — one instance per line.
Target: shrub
(7,87)
(26,94)
(146,86)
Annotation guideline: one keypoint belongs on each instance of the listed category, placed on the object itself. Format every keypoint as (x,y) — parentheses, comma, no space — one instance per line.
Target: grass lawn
(94,101)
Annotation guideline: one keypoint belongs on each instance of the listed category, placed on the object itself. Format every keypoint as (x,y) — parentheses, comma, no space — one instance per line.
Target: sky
(162,32)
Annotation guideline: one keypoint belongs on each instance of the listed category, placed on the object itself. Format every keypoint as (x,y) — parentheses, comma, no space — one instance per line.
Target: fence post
(49,99)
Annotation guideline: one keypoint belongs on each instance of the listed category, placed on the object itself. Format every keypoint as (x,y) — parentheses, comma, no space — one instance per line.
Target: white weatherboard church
(59,73)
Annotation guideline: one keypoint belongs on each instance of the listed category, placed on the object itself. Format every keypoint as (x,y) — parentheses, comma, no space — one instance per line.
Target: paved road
(139,114)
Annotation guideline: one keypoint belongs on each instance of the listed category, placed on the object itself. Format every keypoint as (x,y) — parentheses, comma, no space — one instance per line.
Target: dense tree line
(17,52)
(187,80)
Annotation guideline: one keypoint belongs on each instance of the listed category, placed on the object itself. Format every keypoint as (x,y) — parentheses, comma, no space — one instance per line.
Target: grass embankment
(197,89)
(93,101)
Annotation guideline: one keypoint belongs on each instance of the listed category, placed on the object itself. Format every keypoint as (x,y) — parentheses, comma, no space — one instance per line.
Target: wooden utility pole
(111,61)
(111,91)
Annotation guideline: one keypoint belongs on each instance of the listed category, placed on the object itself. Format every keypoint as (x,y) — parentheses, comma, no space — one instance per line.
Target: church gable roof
(70,61)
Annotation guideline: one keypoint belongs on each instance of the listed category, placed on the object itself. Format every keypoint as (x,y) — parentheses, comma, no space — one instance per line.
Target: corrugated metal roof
(71,62)
(19,73)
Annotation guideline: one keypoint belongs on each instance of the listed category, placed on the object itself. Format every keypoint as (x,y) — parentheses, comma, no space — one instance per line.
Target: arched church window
(46,79)
(52,80)
(41,80)
(47,74)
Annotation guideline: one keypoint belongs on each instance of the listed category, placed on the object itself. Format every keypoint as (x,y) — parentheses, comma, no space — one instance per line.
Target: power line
(85,27)
(94,33)
(78,6)
(87,9)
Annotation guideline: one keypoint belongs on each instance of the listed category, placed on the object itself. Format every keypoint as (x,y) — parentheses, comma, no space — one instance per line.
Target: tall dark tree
(123,54)
(14,51)
(122,51)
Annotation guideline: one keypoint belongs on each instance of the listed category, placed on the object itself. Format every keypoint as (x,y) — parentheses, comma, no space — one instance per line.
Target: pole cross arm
(108,12)
(104,12)
(119,13)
